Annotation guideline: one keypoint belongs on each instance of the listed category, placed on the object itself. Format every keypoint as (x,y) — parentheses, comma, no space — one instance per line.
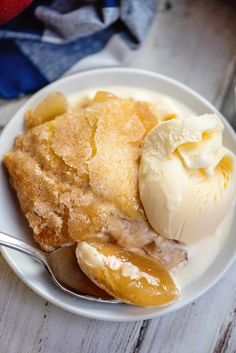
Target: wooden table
(194,42)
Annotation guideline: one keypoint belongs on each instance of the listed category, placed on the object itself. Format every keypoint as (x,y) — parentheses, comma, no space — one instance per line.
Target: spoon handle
(16,244)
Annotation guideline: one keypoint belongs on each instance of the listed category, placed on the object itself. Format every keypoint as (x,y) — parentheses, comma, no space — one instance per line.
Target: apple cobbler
(75,172)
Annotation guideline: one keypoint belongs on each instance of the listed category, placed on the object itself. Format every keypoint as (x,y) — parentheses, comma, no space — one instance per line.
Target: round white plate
(12,220)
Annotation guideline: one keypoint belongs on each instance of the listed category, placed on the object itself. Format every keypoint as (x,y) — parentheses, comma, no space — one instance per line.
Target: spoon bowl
(62,265)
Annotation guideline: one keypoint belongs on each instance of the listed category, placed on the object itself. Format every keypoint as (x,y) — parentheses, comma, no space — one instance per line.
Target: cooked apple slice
(132,278)
(51,106)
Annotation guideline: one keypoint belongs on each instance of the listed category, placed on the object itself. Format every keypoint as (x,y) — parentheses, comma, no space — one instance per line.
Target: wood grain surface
(194,42)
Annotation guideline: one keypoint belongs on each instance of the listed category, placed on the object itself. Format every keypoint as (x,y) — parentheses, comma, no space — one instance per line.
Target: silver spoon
(63,268)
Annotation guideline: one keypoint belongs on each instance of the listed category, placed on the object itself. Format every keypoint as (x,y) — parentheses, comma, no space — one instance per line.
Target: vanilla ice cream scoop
(187,178)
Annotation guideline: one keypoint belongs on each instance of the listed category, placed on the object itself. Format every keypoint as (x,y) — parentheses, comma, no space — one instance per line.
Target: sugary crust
(70,173)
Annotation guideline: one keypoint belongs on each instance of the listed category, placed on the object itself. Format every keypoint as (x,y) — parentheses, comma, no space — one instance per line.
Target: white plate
(12,221)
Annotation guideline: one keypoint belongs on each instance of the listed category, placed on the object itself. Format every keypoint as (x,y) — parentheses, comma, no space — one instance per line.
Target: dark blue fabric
(17,73)
(50,36)
(64,56)
(110,3)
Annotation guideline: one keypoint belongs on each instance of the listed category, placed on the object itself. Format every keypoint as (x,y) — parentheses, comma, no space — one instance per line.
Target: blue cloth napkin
(53,38)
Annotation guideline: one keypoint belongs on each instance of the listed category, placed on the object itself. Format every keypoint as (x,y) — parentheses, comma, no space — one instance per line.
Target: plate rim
(79,310)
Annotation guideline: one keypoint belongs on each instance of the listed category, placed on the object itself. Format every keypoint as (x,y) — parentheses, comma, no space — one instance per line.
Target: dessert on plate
(137,183)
